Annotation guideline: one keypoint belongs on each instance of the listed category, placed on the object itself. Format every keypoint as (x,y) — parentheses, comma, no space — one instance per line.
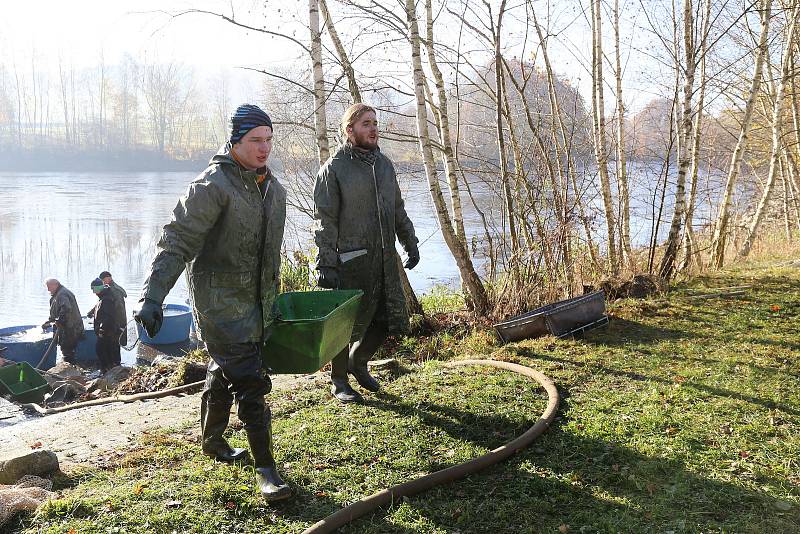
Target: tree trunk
(347,67)
(688,232)
(601,152)
(777,123)
(441,112)
(320,120)
(622,171)
(477,292)
(723,219)
(667,267)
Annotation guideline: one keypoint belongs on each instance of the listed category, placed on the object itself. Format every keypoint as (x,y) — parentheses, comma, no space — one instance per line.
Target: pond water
(72,226)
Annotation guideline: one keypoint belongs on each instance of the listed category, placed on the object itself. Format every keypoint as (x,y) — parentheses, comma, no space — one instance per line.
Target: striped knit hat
(247,117)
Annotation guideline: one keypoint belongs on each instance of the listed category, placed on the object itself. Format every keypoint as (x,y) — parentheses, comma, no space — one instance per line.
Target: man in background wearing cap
(122,316)
(226,231)
(106,326)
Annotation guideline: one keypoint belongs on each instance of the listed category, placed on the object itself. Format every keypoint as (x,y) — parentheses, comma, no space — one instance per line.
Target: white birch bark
(723,218)
(667,267)
(320,120)
(688,232)
(477,292)
(601,152)
(441,111)
(777,123)
(622,171)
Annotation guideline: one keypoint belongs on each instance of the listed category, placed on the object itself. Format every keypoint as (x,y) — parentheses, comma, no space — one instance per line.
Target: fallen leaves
(36,445)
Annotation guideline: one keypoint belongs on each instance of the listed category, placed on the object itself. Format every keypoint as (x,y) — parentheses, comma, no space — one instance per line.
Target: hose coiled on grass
(394,493)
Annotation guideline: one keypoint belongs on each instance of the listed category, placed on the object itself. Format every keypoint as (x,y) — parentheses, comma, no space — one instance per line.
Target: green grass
(682,416)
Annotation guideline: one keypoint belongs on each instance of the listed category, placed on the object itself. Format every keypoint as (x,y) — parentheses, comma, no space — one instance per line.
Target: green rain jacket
(360,212)
(64,310)
(226,231)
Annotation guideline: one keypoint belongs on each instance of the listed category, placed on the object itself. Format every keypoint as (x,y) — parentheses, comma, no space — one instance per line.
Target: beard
(363,141)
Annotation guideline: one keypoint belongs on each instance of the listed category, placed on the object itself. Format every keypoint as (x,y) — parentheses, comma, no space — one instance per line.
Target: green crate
(23,383)
(312,327)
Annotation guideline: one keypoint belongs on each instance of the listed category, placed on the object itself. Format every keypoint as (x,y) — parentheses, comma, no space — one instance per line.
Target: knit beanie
(98,286)
(247,117)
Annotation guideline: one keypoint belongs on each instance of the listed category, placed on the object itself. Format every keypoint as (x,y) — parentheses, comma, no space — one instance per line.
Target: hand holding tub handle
(328,277)
(150,317)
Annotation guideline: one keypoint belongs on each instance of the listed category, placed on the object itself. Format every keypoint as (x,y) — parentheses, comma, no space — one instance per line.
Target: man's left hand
(413,257)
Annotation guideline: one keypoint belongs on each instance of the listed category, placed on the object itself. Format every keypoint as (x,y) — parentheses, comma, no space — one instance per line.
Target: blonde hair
(352,114)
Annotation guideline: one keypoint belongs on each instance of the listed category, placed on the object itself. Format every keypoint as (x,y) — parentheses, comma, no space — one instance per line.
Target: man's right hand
(150,317)
(328,277)
(46,325)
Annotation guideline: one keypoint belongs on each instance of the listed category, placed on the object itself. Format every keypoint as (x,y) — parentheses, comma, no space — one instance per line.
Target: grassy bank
(682,416)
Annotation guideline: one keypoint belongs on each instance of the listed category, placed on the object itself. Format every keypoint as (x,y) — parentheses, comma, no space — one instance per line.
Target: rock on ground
(37,463)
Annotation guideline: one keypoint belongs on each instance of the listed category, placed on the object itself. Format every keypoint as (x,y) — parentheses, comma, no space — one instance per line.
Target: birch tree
(472,282)
(320,121)
(667,267)
(723,217)
(599,123)
(777,124)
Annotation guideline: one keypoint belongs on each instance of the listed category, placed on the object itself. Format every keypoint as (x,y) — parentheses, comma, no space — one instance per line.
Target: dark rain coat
(106,317)
(107,327)
(64,311)
(119,305)
(358,207)
(226,231)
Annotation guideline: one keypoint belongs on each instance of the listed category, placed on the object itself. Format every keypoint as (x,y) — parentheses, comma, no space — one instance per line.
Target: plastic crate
(23,383)
(312,327)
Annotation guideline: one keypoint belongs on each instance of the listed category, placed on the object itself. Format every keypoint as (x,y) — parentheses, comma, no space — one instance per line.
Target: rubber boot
(362,352)
(268,480)
(340,383)
(213,422)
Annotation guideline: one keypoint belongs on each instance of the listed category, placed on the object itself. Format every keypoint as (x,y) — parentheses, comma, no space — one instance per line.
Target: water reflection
(72,226)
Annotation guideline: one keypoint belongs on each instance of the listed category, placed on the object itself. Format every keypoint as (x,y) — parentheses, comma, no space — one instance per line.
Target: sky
(80,31)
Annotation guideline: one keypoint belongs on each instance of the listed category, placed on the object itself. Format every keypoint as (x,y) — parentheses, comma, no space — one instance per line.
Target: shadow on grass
(711,390)
(621,332)
(568,479)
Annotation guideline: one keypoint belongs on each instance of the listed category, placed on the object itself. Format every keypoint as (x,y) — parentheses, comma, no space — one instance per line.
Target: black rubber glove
(150,317)
(328,277)
(46,325)
(413,257)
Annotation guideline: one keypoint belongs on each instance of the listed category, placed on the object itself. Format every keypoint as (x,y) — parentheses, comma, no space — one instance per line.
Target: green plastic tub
(312,327)
(23,383)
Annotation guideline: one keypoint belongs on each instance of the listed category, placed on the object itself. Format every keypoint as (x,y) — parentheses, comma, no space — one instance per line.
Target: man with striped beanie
(226,231)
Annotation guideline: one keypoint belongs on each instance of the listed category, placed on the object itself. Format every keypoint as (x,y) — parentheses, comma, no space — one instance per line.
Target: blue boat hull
(175,329)
(85,351)
(27,351)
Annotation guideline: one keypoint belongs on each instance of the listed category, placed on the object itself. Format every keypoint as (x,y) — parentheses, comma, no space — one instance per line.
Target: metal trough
(561,319)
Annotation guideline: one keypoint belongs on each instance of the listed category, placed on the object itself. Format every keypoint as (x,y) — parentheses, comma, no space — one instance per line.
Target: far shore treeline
(578,119)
